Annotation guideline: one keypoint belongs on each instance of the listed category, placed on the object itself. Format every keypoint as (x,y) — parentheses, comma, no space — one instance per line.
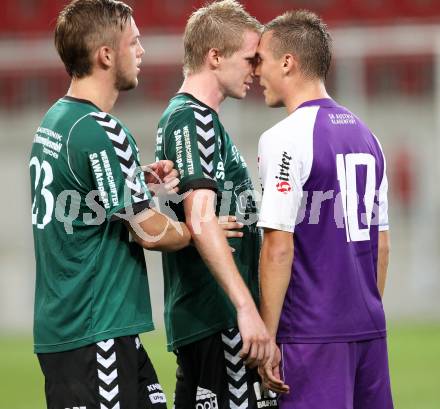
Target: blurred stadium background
(386,69)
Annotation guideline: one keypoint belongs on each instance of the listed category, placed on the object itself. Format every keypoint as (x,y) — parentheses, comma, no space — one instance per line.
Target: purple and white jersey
(323,178)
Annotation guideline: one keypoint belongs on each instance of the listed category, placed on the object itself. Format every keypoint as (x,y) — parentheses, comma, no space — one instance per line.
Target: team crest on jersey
(283,184)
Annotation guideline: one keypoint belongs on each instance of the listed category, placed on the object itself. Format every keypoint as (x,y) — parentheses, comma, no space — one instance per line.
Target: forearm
(275,272)
(176,237)
(214,249)
(155,231)
(382,260)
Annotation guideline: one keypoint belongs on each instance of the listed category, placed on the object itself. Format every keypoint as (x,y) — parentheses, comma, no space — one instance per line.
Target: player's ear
(105,56)
(213,58)
(289,63)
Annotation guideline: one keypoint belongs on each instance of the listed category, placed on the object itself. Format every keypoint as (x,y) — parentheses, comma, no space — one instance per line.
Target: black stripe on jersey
(205,139)
(124,153)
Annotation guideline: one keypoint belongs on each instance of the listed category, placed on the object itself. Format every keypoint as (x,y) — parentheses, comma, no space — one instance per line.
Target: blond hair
(304,34)
(220,25)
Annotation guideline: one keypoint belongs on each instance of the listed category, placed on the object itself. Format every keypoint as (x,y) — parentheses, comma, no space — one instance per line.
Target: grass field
(414,359)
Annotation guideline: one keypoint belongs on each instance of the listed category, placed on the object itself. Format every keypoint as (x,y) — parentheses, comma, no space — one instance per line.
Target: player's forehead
(265,44)
(130,30)
(250,43)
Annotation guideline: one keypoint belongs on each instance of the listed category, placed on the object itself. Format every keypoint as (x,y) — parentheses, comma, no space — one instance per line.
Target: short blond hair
(221,25)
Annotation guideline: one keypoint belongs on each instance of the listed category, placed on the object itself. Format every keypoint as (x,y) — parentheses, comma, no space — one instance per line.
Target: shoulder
(96,129)
(293,132)
(189,111)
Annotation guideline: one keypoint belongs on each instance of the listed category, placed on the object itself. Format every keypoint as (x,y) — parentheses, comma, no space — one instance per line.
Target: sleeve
(383,192)
(383,201)
(189,140)
(113,165)
(280,175)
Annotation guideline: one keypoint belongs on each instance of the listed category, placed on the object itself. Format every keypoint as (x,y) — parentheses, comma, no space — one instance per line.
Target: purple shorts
(352,375)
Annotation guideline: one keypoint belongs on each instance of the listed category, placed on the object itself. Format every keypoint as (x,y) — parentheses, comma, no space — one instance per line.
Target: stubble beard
(123,83)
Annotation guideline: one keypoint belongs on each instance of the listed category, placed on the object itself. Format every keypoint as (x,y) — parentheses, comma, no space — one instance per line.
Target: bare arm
(275,272)
(211,243)
(155,231)
(382,260)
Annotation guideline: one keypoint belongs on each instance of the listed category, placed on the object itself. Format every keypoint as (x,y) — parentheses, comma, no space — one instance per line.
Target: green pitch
(414,359)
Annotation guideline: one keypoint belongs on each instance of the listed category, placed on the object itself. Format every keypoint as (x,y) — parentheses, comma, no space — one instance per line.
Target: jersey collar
(186,94)
(82,101)
(323,102)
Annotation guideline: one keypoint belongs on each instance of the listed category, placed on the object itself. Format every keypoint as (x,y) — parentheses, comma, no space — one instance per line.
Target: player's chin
(237,95)
(128,85)
(273,103)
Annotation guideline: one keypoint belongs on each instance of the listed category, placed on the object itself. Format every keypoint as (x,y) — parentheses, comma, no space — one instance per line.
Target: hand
(230,226)
(256,345)
(270,371)
(161,177)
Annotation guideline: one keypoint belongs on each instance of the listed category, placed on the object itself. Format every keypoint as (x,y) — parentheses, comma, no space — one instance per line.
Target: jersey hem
(171,346)
(101,336)
(201,183)
(136,208)
(276,226)
(331,338)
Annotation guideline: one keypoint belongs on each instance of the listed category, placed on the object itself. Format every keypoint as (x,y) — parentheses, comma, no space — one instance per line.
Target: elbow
(149,240)
(384,245)
(384,251)
(146,244)
(280,254)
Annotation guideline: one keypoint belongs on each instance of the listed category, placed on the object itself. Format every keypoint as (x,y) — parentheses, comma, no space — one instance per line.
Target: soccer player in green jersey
(210,315)
(88,201)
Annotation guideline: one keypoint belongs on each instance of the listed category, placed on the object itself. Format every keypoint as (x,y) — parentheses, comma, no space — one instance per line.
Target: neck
(303,91)
(204,86)
(95,90)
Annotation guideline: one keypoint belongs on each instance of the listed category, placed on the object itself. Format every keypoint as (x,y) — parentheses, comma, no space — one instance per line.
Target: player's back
(334,159)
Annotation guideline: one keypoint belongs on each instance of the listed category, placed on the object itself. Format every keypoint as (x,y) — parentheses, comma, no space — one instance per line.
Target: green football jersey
(191,135)
(91,279)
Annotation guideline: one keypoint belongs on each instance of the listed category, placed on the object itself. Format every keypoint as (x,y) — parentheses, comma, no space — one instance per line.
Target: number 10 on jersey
(346,166)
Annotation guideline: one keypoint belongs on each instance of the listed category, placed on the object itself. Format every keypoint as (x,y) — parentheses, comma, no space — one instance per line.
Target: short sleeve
(383,202)
(280,178)
(189,140)
(383,192)
(113,164)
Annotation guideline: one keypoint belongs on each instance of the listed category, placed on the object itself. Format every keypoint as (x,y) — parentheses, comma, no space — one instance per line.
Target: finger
(245,349)
(150,167)
(267,353)
(232,225)
(274,381)
(251,360)
(231,234)
(167,166)
(269,380)
(261,354)
(231,218)
(276,388)
(171,175)
(172,184)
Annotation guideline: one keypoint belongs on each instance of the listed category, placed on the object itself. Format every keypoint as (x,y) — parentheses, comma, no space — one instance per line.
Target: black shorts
(211,375)
(112,374)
